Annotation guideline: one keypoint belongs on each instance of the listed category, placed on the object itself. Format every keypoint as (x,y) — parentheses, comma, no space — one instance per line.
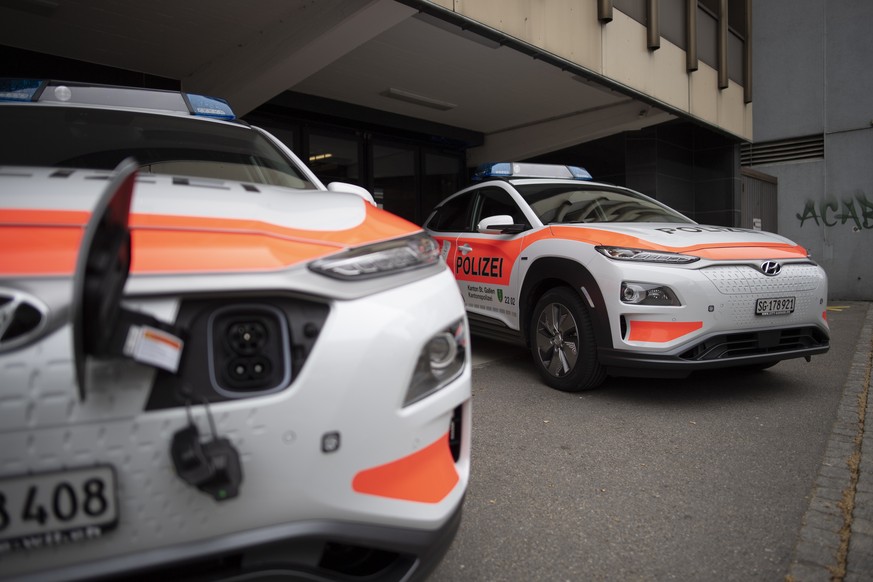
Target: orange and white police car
(211,365)
(601,280)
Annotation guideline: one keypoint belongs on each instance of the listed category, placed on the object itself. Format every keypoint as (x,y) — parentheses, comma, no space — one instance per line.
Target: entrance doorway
(758,202)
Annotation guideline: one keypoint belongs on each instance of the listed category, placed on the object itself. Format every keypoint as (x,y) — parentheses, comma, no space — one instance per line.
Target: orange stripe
(162,251)
(41,250)
(761,252)
(426,476)
(719,252)
(660,331)
(22,217)
(378,225)
(40,242)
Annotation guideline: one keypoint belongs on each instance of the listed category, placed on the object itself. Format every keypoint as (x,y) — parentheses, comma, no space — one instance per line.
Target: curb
(835,543)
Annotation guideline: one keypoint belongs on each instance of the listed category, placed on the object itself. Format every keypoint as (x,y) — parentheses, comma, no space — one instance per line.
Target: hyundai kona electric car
(601,280)
(213,366)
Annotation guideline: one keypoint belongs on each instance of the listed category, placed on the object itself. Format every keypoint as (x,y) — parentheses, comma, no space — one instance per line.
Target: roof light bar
(527,170)
(128,97)
(206,106)
(19,89)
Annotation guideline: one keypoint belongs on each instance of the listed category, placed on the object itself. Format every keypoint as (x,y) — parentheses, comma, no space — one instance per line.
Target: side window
(453,215)
(495,201)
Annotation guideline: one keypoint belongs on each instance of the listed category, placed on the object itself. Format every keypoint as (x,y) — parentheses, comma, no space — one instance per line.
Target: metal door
(758,206)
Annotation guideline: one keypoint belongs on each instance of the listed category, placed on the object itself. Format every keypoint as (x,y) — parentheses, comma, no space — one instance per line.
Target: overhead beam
(277,58)
(529,141)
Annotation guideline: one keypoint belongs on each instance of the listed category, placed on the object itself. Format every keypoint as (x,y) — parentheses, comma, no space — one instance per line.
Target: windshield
(568,203)
(77,137)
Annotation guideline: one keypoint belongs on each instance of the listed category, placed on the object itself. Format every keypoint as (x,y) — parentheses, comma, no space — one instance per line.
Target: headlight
(381,259)
(440,361)
(647,294)
(624,254)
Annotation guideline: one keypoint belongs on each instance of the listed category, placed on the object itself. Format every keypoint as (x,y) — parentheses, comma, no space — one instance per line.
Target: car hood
(183,224)
(708,241)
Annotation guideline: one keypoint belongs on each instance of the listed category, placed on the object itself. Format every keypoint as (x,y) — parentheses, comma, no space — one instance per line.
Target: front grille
(747,280)
(742,285)
(772,341)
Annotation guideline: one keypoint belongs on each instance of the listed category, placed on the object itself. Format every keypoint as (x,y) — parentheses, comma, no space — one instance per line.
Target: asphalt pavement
(728,476)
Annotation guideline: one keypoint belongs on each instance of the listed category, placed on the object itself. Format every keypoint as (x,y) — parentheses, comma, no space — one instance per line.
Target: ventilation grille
(786,150)
(742,345)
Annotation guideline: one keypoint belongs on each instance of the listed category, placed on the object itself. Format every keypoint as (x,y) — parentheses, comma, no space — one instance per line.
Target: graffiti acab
(857,211)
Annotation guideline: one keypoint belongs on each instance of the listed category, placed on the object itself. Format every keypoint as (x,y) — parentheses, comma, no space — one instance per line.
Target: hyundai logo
(22,318)
(771,268)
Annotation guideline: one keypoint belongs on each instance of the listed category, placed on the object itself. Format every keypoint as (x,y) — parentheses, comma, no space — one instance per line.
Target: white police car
(213,367)
(600,280)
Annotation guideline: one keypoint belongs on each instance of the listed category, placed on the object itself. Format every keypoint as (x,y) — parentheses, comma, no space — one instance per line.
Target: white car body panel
(313,210)
(353,383)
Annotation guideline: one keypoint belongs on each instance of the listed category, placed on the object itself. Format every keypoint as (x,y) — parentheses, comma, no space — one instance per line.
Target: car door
(483,261)
(448,221)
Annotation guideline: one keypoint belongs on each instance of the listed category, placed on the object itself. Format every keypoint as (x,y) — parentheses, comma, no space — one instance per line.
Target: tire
(562,342)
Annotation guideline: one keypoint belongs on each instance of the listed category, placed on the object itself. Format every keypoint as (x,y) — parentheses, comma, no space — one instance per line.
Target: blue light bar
(18,89)
(60,92)
(209,106)
(525,170)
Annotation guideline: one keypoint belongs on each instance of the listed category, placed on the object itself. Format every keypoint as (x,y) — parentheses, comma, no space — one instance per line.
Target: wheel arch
(550,272)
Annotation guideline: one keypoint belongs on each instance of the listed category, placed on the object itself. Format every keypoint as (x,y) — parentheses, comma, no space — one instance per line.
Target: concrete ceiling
(374,53)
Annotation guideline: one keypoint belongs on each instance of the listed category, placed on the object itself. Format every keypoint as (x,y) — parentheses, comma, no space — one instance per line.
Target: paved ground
(727,476)
(836,539)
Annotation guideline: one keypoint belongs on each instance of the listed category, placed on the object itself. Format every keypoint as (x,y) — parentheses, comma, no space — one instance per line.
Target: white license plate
(774,306)
(47,509)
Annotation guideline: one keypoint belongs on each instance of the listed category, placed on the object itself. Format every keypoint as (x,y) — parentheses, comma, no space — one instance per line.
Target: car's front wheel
(562,342)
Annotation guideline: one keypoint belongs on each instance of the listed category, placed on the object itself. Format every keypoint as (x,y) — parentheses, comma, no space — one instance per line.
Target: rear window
(76,137)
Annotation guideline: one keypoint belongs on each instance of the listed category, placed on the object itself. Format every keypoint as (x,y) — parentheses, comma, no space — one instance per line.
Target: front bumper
(725,350)
(310,551)
(298,506)
(716,325)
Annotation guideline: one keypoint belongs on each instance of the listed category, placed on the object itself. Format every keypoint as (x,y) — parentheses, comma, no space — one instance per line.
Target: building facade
(404,97)
(813,131)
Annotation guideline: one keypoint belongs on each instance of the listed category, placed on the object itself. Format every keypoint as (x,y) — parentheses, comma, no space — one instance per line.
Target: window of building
(441,178)
(335,156)
(394,179)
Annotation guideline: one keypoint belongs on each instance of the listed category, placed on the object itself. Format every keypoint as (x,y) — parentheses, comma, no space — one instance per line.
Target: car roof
(581,184)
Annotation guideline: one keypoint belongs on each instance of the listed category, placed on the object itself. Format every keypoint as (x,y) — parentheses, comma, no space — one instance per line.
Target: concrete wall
(616,50)
(812,77)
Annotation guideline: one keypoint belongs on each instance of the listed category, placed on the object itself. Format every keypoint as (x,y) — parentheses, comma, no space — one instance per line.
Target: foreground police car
(599,280)
(210,378)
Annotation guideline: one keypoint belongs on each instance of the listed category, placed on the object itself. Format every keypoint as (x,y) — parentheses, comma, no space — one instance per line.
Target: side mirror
(351,189)
(500,224)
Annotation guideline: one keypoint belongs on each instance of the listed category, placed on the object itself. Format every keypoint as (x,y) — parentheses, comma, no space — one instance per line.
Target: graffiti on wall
(856,212)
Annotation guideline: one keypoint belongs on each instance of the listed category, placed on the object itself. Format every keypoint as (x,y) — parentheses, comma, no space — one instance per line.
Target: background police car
(599,279)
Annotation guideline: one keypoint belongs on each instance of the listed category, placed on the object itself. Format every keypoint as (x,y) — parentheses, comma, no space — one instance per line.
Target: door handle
(465,248)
